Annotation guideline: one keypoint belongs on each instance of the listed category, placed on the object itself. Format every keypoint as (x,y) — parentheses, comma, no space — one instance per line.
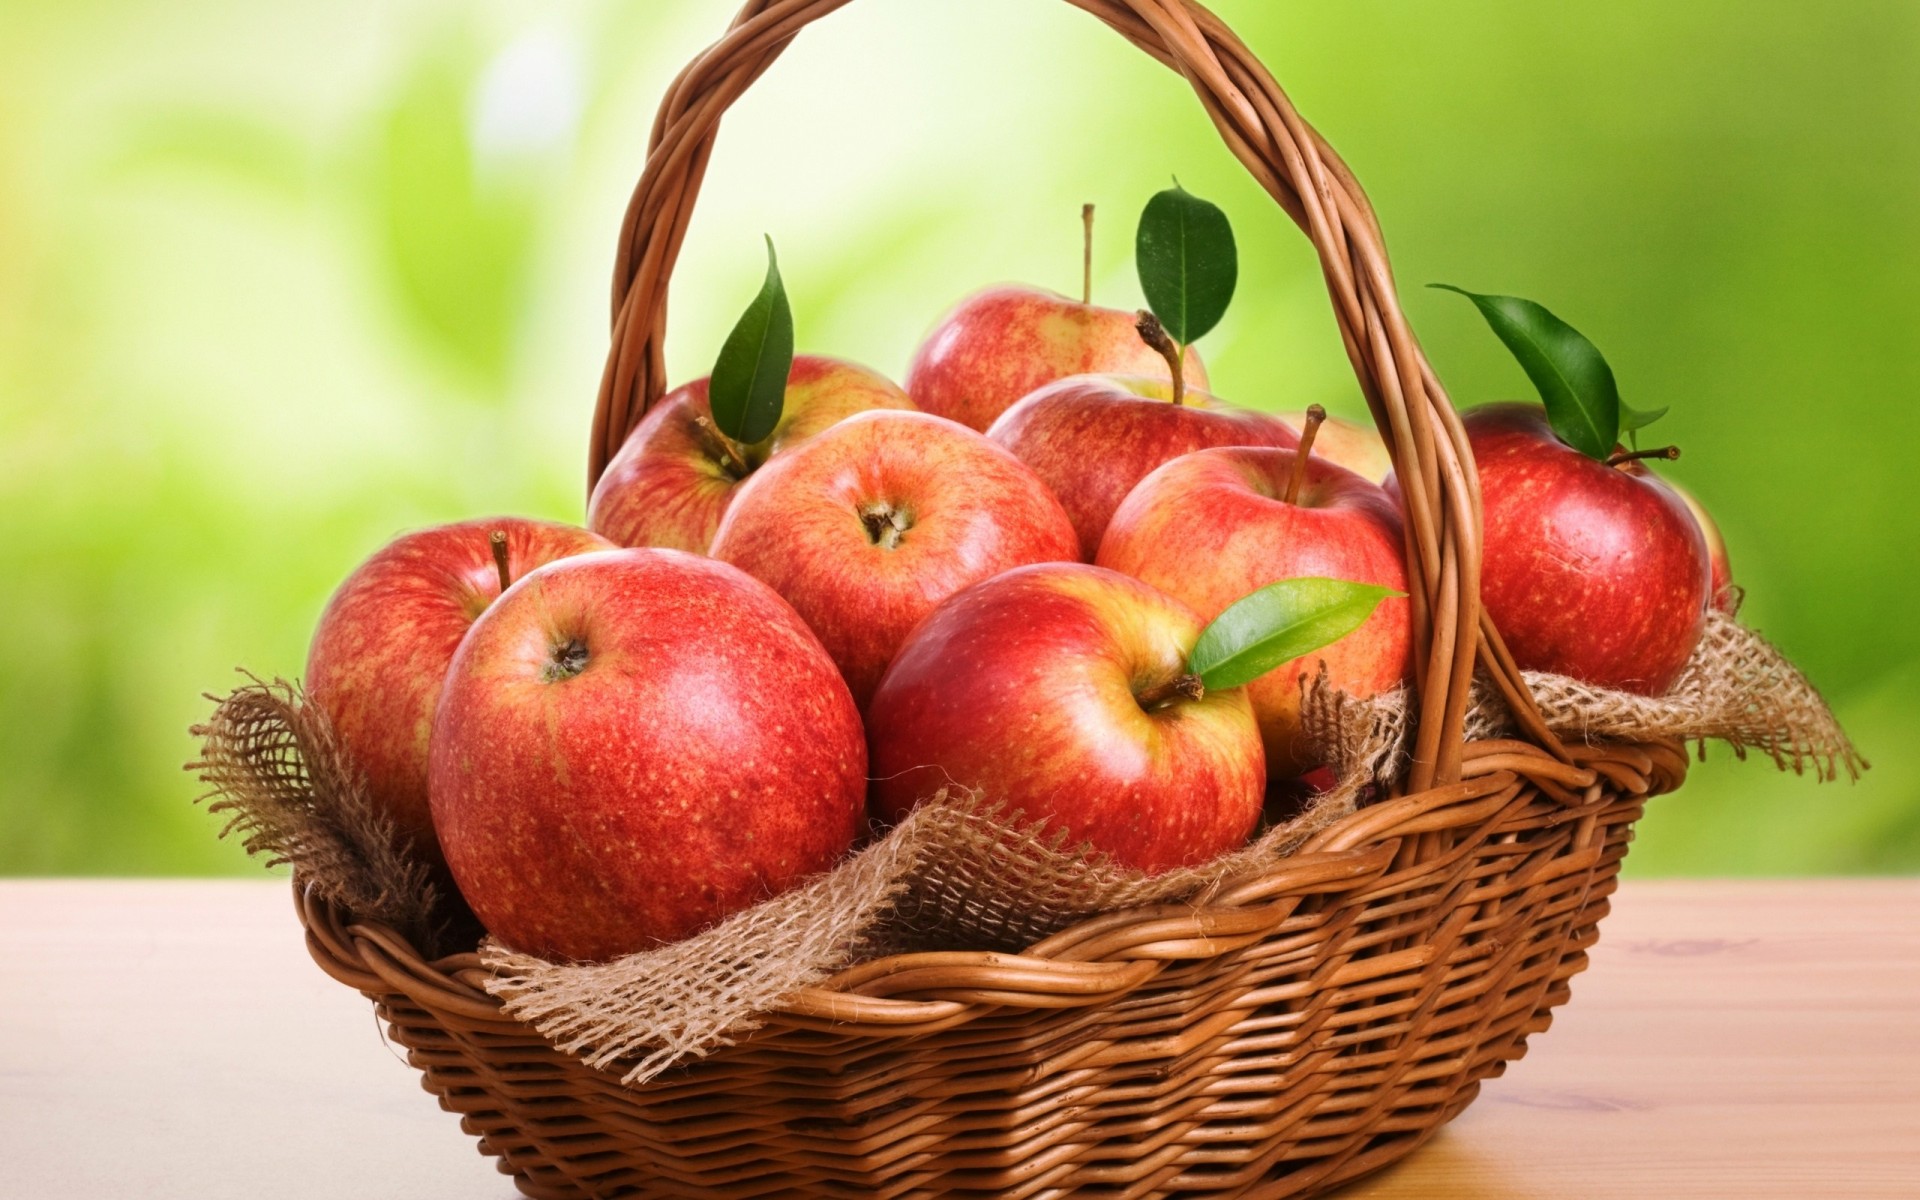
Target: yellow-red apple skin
(1000,344)
(669,485)
(1093,437)
(974,511)
(1720,569)
(1209,528)
(1024,687)
(380,652)
(705,756)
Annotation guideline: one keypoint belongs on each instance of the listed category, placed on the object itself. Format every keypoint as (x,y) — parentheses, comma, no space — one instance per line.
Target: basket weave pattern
(1278,1034)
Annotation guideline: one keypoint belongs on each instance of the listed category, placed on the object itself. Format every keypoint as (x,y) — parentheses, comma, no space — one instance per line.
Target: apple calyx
(1309,429)
(1154,334)
(1184,685)
(497,541)
(885,524)
(1626,456)
(565,661)
(1086,254)
(722,447)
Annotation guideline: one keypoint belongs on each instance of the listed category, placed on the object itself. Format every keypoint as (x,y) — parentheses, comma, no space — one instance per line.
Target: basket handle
(1305,177)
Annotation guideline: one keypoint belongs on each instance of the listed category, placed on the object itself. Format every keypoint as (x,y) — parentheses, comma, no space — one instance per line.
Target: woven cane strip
(1283,1063)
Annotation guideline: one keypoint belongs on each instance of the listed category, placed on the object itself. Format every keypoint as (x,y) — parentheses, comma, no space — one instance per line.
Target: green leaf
(1188,265)
(749,384)
(1278,624)
(1632,418)
(1574,381)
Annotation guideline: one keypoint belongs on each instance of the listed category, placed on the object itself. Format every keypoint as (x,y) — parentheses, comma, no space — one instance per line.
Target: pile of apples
(1052,568)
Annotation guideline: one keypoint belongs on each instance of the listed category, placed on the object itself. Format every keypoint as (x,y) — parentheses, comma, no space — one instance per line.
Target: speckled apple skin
(975,510)
(380,652)
(668,487)
(1208,528)
(1591,571)
(1024,687)
(1092,438)
(706,757)
(998,345)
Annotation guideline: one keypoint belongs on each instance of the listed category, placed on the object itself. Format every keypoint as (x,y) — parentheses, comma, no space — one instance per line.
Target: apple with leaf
(1000,344)
(1086,699)
(1091,438)
(1592,566)
(1208,528)
(682,465)
(873,522)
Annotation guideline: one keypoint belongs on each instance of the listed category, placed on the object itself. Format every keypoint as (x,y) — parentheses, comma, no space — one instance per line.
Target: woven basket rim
(1105,955)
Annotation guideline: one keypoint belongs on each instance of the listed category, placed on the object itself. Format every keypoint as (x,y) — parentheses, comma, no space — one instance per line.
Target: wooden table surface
(172,1039)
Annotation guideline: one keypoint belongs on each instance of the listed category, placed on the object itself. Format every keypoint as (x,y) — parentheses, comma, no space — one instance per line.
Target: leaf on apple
(1279,623)
(1574,380)
(1634,419)
(1188,265)
(749,383)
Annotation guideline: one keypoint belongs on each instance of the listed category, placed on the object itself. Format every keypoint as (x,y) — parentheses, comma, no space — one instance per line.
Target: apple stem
(1308,430)
(1154,334)
(498,541)
(1086,254)
(1187,684)
(1622,456)
(723,444)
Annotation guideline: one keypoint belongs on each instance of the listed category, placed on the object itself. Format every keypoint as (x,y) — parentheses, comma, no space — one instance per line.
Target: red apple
(868,526)
(380,653)
(1350,444)
(673,478)
(998,345)
(1050,689)
(633,745)
(1093,437)
(1211,527)
(1594,571)
(1720,571)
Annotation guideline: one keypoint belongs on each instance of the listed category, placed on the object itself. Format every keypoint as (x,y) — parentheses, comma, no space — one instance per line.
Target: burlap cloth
(958,873)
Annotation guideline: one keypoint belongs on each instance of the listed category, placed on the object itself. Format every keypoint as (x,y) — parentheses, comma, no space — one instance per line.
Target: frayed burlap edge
(274,769)
(959,872)
(1737,688)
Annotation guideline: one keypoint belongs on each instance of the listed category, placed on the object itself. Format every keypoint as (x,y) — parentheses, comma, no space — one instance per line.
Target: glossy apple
(1593,571)
(1093,437)
(673,479)
(1048,688)
(1720,570)
(380,652)
(998,345)
(1349,444)
(633,745)
(1213,526)
(868,526)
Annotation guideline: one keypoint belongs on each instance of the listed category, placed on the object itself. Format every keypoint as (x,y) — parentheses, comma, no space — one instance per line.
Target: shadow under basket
(1276,1035)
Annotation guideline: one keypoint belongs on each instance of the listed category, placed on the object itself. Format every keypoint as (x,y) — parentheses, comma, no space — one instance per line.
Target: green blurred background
(278,281)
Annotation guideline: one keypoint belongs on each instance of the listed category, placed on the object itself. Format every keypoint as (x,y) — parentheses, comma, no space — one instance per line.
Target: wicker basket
(1276,1036)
